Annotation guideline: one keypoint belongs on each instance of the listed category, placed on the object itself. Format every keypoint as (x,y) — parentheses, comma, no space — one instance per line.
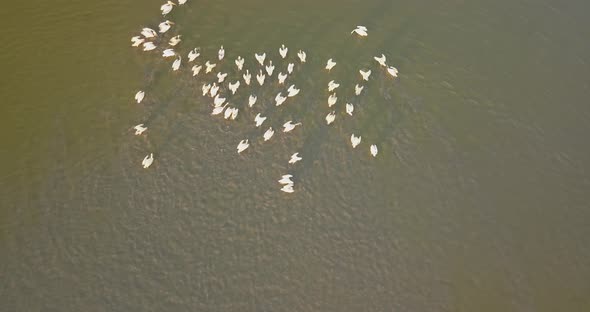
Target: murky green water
(477,201)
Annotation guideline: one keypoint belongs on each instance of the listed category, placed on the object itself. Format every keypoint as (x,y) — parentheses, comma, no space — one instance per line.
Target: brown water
(477,201)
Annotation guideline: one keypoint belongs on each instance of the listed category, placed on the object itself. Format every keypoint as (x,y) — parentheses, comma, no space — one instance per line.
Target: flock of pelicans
(149,39)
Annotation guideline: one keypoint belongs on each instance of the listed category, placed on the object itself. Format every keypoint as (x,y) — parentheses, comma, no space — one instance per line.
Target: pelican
(234,86)
(288,188)
(259,120)
(283,51)
(174,40)
(247,77)
(290,68)
(234,113)
(228,113)
(302,56)
(167,7)
(268,134)
(218,101)
(260,77)
(358,89)
(260,58)
(332,99)
(270,69)
(148,46)
(176,64)
(181,2)
(365,74)
(165,26)
(280,99)
(239,62)
(292,91)
(330,64)
(349,108)
(206,88)
(286,179)
(193,54)
(214,89)
(332,85)
(196,69)
(360,30)
(218,110)
(355,140)
(243,145)
(330,117)
(282,78)
(252,100)
(374,150)
(148,32)
(137,41)
(139,96)
(221,53)
(209,67)
(392,71)
(295,158)
(289,125)
(221,77)
(148,160)
(168,53)
(381,60)
(139,129)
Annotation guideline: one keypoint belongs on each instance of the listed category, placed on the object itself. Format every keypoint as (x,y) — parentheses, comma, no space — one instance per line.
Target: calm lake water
(478,200)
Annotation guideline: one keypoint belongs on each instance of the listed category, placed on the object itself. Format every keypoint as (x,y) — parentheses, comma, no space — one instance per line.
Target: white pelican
(260,58)
(355,140)
(358,89)
(374,150)
(168,53)
(175,40)
(381,60)
(289,125)
(165,26)
(148,32)
(332,85)
(290,68)
(252,100)
(243,145)
(282,78)
(137,41)
(234,113)
(292,91)
(330,117)
(247,77)
(280,99)
(139,129)
(206,88)
(259,120)
(365,74)
(228,112)
(209,67)
(360,30)
(167,7)
(294,158)
(218,101)
(330,64)
(234,86)
(287,188)
(239,62)
(193,54)
(148,160)
(332,99)
(181,2)
(218,110)
(302,56)
(268,134)
(392,71)
(196,69)
(139,96)
(270,68)
(221,77)
(286,179)
(221,53)
(214,89)
(283,51)
(260,77)
(148,46)
(176,64)
(349,108)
